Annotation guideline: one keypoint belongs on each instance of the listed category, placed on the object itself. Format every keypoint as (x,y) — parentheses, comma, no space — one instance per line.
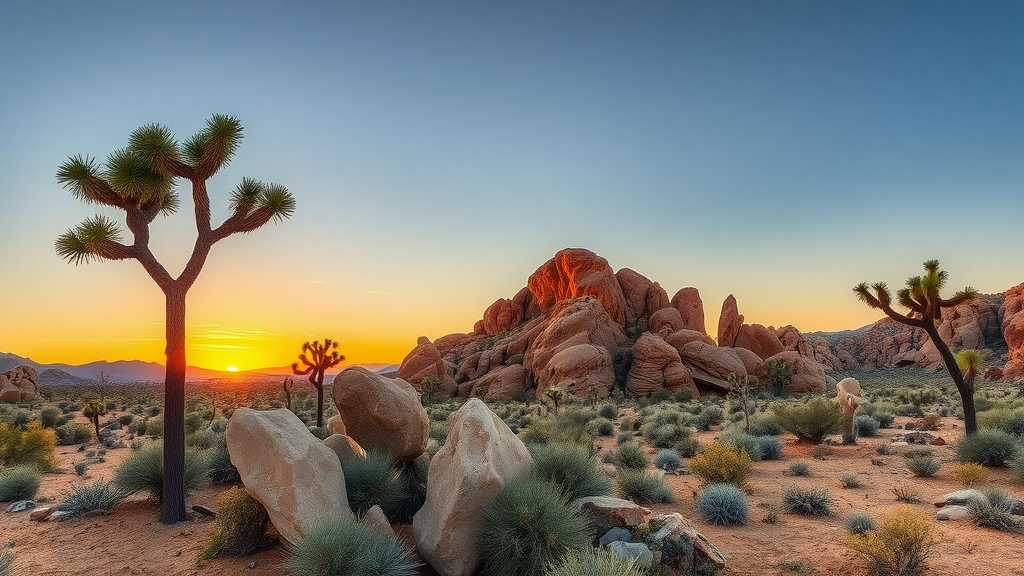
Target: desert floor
(132,541)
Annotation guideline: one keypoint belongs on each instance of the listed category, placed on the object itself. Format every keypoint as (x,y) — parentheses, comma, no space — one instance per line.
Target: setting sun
(232,369)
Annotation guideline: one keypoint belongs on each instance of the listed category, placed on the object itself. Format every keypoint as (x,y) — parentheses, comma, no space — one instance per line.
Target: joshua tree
(741,388)
(287,386)
(140,180)
(779,373)
(921,296)
(969,362)
(93,410)
(316,358)
(555,395)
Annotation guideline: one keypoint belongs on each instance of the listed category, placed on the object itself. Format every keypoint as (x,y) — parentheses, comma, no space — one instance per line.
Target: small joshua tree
(779,373)
(316,358)
(740,388)
(555,395)
(287,386)
(93,410)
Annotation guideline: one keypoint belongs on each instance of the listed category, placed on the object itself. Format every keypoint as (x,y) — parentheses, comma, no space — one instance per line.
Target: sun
(232,369)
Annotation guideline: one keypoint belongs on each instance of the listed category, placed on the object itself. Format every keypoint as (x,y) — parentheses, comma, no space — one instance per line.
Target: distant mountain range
(139,371)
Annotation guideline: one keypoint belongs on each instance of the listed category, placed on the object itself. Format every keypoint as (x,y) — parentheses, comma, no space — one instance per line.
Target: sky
(440,152)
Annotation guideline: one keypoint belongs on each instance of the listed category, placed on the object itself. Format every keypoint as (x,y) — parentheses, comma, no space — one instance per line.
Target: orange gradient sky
(439,152)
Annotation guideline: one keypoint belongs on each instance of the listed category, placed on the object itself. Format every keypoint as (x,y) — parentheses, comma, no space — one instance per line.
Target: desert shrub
(812,421)
(201,439)
(194,421)
(928,422)
(49,417)
(689,447)
(709,416)
(885,449)
(528,525)
(810,502)
(143,471)
(744,442)
(125,419)
(643,487)
(771,447)
(413,489)
(372,480)
(622,438)
(661,395)
(19,483)
(630,456)
(799,468)
(918,396)
(668,460)
(539,431)
(923,465)
(218,461)
(73,433)
(995,510)
(723,504)
(608,411)
(970,473)
(347,547)
(22,418)
(241,525)
(867,426)
(765,425)
(849,480)
(439,431)
(721,463)
(906,494)
(154,427)
(664,435)
(592,563)
(885,414)
(605,427)
(80,468)
(572,468)
(30,445)
(900,546)
(1005,419)
(859,523)
(6,561)
(99,495)
(987,447)
(1017,464)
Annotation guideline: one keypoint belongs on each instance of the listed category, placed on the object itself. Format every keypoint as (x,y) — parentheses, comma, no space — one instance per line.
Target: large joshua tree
(140,179)
(316,358)
(921,297)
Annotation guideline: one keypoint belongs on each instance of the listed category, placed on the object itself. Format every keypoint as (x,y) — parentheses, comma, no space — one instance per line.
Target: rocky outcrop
(296,477)
(667,320)
(711,365)
(498,384)
(729,322)
(605,512)
(577,369)
(345,447)
(480,456)
(656,364)
(425,360)
(574,322)
(643,298)
(381,413)
(1011,318)
(19,384)
(759,340)
(506,314)
(808,375)
(576,272)
(691,308)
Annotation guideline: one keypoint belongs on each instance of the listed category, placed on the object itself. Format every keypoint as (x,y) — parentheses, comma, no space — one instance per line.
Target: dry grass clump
(721,463)
(900,546)
(971,474)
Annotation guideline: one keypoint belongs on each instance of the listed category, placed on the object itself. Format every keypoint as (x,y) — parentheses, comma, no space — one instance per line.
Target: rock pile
(19,385)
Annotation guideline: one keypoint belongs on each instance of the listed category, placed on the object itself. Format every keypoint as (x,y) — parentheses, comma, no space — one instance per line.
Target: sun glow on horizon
(232,368)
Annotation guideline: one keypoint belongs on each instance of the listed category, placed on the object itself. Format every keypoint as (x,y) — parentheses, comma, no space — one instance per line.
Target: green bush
(987,447)
(744,442)
(153,427)
(995,510)
(723,504)
(439,431)
(850,480)
(812,421)
(201,439)
(49,416)
(241,525)
(570,467)
(668,460)
(664,435)
(811,502)
(721,463)
(765,425)
(73,433)
(218,461)
(99,495)
(923,465)
(32,444)
(125,419)
(19,483)
(1005,419)
(622,438)
(527,526)
(143,471)
(630,456)
(771,447)
(867,426)
(859,523)
(347,547)
(608,411)
(372,481)
(799,468)
(1017,465)
(643,487)
(413,489)
(689,447)
(22,418)
(605,427)
(593,563)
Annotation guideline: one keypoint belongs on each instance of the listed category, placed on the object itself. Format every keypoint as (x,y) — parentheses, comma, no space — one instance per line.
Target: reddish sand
(132,541)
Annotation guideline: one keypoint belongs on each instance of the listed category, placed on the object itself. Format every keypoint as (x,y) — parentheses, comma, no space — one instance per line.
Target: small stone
(199,508)
(59,515)
(639,553)
(938,441)
(616,534)
(22,505)
(960,497)
(41,514)
(252,564)
(952,513)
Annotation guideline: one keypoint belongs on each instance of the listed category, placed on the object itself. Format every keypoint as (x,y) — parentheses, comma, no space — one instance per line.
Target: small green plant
(797,566)
(867,426)
(570,467)
(906,494)
(143,471)
(241,525)
(218,460)
(93,410)
(630,456)
(593,563)
(721,463)
(347,547)
(765,424)
(643,487)
(799,468)
(995,510)
(810,502)
(885,449)
(812,421)
(49,417)
(770,446)
(850,480)
(900,546)
(80,468)
(32,444)
(372,481)
(923,465)
(608,411)
(723,504)
(528,525)
(859,523)
(746,443)
(1017,465)
(413,489)
(987,447)
(668,460)
(99,495)
(605,427)
(19,483)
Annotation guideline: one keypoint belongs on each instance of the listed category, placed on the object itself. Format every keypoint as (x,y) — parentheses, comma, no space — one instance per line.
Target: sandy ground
(131,540)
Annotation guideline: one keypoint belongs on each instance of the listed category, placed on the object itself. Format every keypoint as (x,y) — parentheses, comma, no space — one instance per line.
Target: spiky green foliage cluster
(643,487)
(593,563)
(765,424)
(630,456)
(527,526)
(218,460)
(721,463)
(412,488)
(744,442)
(347,547)
(771,447)
(810,502)
(995,510)
(241,525)
(372,481)
(143,471)
(668,460)
(811,421)
(923,465)
(99,495)
(570,467)
(6,561)
(19,483)
(987,447)
(857,523)
(723,504)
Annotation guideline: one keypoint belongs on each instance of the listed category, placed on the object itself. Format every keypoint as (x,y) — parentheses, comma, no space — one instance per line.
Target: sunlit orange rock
(656,364)
(425,360)
(808,375)
(729,322)
(577,369)
(643,297)
(19,384)
(691,309)
(579,321)
(576,272)
(758,339)
(1011,315)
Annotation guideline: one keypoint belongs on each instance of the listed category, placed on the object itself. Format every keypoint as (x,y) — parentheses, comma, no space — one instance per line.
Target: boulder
(636,552)
(680,338)
(691,309)
(579,321)
(753,363)
(42,514)
(345,447)
(667,318)
(792,339)
(381,413)
(506,314)
(577,369)
(296,477)
(729,322)
(498,384)
(616,534)
(808,375)
(425,360)
(656,364)
(960,498)
(1013,332)
(335,425)
(711,365)
(480,456)
(20,384)
(993,374)
(759,340)
(952,512)
(605,512)
(375,518)
(575,272)
(675,529)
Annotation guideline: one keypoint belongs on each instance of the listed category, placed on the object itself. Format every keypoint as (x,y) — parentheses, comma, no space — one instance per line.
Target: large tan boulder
(576,272)
(480,456)
(381,413)
(335,425)
(808,375)
(425,360)
(656,364)
(691,309)
(578,368)
(729,322)
(751,362)
(295,476)
(574,322)
(606,512)
(711,365)
(759,340)
(345,447)
(19,384)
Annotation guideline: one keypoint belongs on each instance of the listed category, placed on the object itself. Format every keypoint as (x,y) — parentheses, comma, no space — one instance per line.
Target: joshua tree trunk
(320,403)
(966,392)
(173,504)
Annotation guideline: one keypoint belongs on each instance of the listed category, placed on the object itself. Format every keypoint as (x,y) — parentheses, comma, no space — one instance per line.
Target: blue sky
(440,152)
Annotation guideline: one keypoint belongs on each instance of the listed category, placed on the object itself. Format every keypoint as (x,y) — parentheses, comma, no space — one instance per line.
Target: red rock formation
(19,384)
(579,321)
(577,369)
(575,272)
(506,314)
(1011,315)
(808,375)
(758,339)
(691,309)
(667,318)
(498,384)
(657,364)
(711,365)
(729,322)
(425,360)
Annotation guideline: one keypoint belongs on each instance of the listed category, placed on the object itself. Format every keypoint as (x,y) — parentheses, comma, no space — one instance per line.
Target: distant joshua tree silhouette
(93,410)
(316,358)
(140,180)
